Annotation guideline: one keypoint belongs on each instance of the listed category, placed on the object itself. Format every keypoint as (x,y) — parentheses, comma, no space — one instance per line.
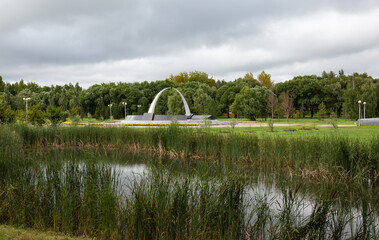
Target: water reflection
(129,174)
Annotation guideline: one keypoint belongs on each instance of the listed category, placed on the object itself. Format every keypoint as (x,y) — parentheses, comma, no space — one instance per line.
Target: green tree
(306,91)
(251,102)
(6,113)
(321,111)
(332,93)
(182,77)
(9,99)
(203,103)
(360,87)
(76,99)
(55,115)
(194,76)
(63,99)
(101,110)
(225,95)
(329,75)
(249,75)
(175,104)
(51,96)
(2,84)
(35,115)
(25,93)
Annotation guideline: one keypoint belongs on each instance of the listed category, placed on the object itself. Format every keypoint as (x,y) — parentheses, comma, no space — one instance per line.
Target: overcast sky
(93,41)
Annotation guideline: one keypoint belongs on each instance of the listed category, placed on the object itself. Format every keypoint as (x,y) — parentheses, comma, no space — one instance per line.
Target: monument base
(148,116)
(153,117)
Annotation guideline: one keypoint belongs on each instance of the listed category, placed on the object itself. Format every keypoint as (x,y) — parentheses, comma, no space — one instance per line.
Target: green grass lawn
(8,232)
(298,131)
(307,121)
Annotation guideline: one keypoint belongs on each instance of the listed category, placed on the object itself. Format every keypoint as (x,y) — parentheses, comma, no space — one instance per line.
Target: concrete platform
(198,121)
(368,122)
(154,118)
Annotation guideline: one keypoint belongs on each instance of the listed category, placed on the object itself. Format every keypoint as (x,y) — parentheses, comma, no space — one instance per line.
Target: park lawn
(311,121)
(297,131)
(307,121)
(8,232)
(232,119)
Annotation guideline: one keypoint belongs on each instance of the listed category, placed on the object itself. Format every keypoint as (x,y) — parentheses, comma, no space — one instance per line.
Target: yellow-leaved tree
(265,79)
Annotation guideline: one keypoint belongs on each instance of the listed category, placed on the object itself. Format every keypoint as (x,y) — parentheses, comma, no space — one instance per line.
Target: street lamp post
(359,102)
(139,106)
(110,111)
(124,103)
(364,110)
(26,106)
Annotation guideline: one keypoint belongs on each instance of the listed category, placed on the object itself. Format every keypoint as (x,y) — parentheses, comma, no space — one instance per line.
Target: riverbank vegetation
(365,133)
(11,233)
(80,193)
(331,155)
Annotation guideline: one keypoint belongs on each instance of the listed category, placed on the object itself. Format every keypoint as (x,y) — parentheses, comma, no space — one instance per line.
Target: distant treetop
(194,76)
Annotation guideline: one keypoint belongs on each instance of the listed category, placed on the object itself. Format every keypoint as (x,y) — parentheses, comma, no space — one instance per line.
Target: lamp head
(359,101)
(364,103)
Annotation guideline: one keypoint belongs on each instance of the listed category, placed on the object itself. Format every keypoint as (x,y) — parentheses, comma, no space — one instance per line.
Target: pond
(121,194)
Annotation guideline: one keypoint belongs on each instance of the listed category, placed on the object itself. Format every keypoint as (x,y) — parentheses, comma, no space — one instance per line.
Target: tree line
(249,97)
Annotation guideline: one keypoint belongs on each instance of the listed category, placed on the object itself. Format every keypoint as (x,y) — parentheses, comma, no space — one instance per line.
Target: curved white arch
(152,106)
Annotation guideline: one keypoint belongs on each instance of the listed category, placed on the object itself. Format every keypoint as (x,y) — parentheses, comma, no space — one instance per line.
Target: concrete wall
(368,122)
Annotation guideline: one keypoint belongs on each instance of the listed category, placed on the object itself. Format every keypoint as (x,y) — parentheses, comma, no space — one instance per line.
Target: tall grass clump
(180,208)
(66,197)
(291,215)
(86,198)
(10,149)
(270,124)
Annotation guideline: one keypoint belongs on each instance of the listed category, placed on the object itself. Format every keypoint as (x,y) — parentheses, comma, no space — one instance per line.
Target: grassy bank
(307,121)
(12,233)
(361,133)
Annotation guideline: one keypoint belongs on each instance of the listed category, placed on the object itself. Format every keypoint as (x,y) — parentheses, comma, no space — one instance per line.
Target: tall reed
(84,198)
(66,192)
(330,156)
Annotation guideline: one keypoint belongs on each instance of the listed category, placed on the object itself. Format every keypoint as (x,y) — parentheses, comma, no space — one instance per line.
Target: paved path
(217,123)
(284,125)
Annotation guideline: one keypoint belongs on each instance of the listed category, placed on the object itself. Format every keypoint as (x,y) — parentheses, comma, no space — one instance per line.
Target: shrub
(270,124)
(321,111)
(76,119)
(35,115)
(55,115)
(296,115)
(6,114)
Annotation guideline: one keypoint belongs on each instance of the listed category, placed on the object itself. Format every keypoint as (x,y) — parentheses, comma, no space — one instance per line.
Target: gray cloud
(100,41)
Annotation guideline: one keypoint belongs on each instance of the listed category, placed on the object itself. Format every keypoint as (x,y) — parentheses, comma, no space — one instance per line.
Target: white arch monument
(152,106)
(150,115)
